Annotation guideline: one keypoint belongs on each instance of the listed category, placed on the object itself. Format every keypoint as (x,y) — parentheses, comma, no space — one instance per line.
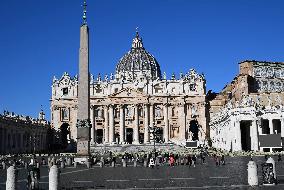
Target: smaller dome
(138,60)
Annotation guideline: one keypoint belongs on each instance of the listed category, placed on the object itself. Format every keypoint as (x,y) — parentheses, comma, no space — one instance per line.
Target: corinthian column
(111,124)
(166,121)
(151,114)
(181,121)
(238,140)
(106,124)
(254,136)
(92,118)
(282,127)
(136,125)
(121,124)
(146,124)
(271,126)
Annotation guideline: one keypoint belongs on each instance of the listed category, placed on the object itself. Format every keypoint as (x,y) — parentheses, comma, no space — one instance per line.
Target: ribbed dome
(138,60)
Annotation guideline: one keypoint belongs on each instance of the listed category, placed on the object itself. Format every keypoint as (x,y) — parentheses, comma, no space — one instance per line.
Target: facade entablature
(190,84)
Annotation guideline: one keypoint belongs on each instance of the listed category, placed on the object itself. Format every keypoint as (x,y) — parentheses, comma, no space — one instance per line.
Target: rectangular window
(99,90)
(192,87)
(64,114)
(65,91)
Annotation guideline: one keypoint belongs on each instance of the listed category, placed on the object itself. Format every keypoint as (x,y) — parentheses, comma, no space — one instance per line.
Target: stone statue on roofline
(164,76)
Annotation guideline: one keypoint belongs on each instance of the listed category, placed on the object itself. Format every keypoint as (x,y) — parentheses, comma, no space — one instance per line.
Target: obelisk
(83,115)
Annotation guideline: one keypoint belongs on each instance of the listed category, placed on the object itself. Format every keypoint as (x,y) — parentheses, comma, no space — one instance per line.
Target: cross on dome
(137,41)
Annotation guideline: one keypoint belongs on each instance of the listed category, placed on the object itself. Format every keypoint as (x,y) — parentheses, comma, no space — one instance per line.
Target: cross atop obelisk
(85,12)
(83,115)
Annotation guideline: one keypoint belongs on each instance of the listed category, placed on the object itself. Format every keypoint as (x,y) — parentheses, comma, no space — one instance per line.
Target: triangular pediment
(128,93)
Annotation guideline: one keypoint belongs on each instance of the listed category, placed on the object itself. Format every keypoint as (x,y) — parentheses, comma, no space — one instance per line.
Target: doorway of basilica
(194,129)
(159,135)
(129,135)
(100,135)
(141,138)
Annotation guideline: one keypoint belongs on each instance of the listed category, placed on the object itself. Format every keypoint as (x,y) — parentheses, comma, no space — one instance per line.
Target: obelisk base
(83,152)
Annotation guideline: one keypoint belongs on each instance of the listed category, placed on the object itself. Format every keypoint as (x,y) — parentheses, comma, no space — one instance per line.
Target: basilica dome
(138,61)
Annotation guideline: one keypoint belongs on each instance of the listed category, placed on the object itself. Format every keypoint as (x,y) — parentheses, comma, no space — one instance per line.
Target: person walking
(216,160)
(193,160)
(202,155)
(223,160)
(152,162)
(189,160)
(279,158)
(172,161)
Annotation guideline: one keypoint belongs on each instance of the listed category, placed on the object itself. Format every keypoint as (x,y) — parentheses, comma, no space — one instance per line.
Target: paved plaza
(233,175)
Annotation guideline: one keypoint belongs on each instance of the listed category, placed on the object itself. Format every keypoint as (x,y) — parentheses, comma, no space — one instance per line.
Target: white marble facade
(239,124)
(137,97)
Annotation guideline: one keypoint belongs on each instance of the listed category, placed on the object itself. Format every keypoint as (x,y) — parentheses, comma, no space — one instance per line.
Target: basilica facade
(128,105)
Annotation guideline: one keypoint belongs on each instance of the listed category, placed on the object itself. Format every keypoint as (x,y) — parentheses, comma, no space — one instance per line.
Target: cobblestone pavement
(233,175)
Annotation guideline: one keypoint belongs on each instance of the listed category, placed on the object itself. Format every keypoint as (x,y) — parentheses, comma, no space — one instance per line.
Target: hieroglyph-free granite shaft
(83,117)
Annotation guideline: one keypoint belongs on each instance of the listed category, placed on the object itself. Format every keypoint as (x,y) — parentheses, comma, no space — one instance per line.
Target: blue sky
(40,39)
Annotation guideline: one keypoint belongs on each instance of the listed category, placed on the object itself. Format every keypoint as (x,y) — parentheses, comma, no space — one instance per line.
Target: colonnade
(21,141)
